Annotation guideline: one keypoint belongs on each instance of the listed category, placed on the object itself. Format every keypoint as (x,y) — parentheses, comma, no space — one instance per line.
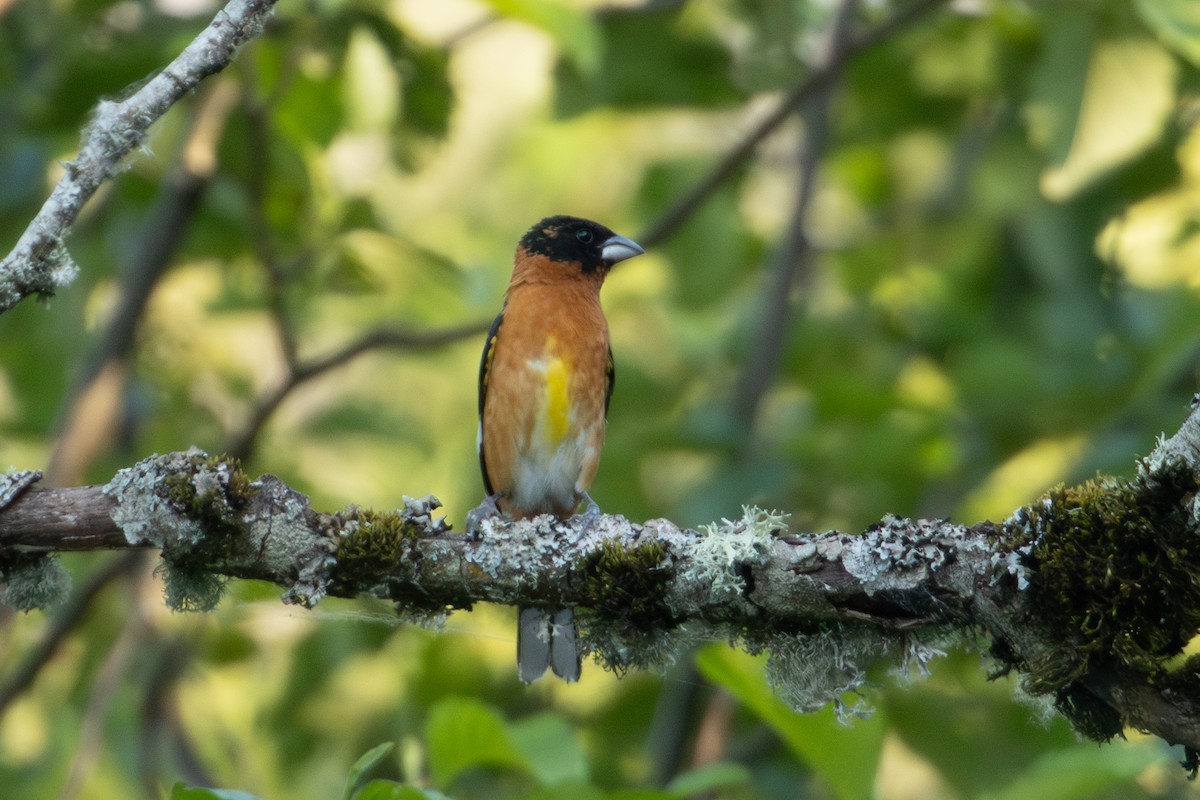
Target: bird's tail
(547,639)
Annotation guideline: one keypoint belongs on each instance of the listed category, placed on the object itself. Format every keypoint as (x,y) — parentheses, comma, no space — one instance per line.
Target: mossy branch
(1089,594)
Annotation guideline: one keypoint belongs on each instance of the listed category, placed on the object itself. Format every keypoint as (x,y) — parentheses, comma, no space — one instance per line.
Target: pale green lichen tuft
(811,671)
(33,581)
(619,648)
(727,546)
(191,590)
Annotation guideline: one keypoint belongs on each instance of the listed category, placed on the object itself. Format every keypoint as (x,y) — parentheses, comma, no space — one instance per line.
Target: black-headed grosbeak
(544,385)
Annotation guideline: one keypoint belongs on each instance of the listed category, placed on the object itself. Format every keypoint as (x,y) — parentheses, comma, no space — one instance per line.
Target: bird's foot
(590,514)
(486,510)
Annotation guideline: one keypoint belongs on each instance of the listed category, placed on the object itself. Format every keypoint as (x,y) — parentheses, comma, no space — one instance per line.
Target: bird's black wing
(610,380)
(485,368)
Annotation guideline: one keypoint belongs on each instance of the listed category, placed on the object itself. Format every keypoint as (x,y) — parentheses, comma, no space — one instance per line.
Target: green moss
(629,584)
(1112,569)
(214,493)
(626,621)
(372,544)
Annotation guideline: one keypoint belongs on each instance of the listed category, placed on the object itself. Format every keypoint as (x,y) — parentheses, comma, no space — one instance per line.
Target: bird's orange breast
(542,426)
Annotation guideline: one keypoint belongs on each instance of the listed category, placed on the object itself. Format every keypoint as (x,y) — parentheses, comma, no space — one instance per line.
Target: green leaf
(1081,772)
(575,791)
(845,756)
(969,729)
(690,67)
(390,790)
(709,778)
(1177,23)
(364,764)
(370,86)
(463,734)
(573,29)
(183,792)
(1096,104)
(551,748)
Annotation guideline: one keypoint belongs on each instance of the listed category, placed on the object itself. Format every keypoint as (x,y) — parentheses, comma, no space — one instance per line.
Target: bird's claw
(486,510)
(590,515)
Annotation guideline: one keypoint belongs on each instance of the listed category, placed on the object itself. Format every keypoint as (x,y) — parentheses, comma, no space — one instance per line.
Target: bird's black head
(571,239)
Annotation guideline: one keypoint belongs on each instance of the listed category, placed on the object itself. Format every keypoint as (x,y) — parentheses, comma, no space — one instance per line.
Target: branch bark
(824,606)
(39,263)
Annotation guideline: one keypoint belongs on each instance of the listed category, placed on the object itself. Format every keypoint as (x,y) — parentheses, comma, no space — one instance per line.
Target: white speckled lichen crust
(264,530)
(542,548)
(142,511)
(903,554)
(279,527)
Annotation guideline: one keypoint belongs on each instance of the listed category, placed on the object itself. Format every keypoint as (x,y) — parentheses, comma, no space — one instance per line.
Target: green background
(1001,296)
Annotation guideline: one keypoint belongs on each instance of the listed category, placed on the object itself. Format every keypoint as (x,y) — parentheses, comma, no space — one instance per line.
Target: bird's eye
(584,235)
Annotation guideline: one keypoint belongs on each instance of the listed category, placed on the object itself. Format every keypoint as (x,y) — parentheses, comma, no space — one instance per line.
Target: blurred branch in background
(258,108)
(241,445)
(112,672)
(162,732)
(39,263)
(64,620)
(789,268)
(814,82)
(93,407)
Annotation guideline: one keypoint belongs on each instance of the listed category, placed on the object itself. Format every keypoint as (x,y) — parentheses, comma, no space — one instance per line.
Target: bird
(545,380)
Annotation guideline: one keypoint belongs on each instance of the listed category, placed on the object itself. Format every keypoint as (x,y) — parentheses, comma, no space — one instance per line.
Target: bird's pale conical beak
(618,248)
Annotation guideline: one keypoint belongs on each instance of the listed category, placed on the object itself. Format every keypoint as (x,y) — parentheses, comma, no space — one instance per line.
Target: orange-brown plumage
(544,384)
(551,313)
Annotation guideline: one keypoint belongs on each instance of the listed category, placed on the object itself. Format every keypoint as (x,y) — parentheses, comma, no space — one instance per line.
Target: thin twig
(241,446)
(792,260)
(687,205)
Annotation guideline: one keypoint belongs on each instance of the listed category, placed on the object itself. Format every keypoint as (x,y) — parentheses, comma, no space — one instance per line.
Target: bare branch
(815,81)
(39,262)
(241,446)
(792,260)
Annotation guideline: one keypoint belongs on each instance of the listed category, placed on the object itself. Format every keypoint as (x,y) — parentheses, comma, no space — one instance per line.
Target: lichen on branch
(1087,593)
(39,263)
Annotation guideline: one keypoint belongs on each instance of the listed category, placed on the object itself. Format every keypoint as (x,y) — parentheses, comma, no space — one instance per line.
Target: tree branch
(241,445)
(812,83)
(91,410)
(39,263)
(791,265)
(1047,586)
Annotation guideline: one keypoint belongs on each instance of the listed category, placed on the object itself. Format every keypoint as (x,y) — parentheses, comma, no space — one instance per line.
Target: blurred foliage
(1004,296)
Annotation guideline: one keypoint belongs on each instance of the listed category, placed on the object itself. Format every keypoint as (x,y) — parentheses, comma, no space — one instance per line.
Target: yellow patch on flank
(557,402)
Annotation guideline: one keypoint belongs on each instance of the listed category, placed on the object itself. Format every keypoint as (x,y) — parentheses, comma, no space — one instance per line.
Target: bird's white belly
(548,465)
(548,477)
